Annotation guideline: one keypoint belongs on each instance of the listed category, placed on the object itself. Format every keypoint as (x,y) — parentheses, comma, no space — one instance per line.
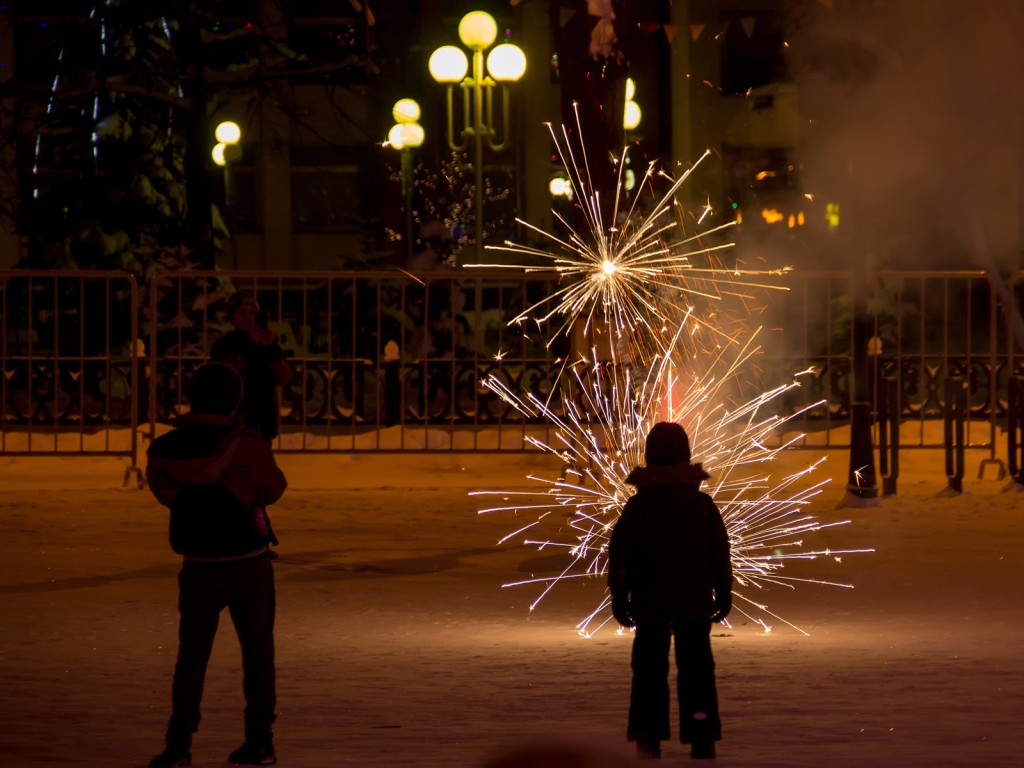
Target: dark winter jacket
(253,361)
(213,474)
(669,551)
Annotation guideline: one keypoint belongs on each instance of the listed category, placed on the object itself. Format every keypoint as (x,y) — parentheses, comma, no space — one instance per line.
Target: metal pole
(230,211)
(861,481)
(478,153)
(407,184)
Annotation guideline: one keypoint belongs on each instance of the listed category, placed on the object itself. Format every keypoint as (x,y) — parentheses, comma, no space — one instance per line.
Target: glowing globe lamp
(228,132)
(406,111)
(477,30)
(506,62)
(448,64)
(406,135)
(631,118)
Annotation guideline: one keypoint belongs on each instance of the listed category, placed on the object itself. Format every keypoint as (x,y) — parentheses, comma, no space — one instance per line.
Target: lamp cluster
(227,149)
(478,30)
(505,63)
(406,133)
(449,65)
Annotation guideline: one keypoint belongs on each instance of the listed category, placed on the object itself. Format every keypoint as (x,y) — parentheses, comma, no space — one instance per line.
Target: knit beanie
(215,388)
(667,443)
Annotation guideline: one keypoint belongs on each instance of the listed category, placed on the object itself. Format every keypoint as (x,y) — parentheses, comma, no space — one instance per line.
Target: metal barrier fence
(69,363)
(926,327)
(384,361)
(391,361)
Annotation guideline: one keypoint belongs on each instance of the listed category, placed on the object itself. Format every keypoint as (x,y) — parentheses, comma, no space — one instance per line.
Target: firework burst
(686,355)
(634,274)
(599,438)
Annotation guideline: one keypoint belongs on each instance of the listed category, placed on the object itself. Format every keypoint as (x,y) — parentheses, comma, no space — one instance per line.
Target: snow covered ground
(398,647)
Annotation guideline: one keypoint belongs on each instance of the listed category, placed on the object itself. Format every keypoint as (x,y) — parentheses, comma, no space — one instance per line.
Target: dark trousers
(695,683)
(246,589)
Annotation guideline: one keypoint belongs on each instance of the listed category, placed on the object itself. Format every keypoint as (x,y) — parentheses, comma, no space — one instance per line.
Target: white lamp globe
(448,64)
(218,154)
(406,111)
(406,135)
(477,30)
(412,135)
(631,119)
(630,88)
(228,132)
(506,62)
(395,136)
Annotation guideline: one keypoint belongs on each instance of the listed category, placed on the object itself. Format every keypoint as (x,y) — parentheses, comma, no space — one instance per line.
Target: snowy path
(397,646)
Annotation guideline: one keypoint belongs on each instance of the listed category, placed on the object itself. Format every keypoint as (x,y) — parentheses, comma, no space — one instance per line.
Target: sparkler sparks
(686,356)
(630,274)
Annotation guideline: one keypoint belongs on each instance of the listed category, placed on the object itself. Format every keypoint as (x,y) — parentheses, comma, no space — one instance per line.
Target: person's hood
(683,473)
(208,468)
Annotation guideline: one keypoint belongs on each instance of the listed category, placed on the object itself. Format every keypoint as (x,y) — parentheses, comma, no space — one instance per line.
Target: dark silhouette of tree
(109,152)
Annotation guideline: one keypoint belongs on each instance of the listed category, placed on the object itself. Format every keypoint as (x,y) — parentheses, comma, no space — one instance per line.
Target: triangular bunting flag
(565,15)
(648,27)
(695,30)
(748,24)
(671,30)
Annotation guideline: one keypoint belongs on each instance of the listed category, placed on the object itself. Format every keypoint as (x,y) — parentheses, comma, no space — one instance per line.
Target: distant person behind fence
(216,476)
(670,575)
(252,349)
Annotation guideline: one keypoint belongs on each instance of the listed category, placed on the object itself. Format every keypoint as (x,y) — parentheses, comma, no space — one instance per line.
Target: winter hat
(667,443)
(238,299)
(215,388)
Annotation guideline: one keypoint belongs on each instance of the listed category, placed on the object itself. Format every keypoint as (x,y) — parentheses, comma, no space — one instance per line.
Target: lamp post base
(852,500)
(861,483)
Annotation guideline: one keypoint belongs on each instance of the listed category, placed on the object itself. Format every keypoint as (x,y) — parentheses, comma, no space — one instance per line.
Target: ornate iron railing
(392,361)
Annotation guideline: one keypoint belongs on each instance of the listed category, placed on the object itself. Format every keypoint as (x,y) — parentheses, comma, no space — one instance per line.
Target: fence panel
(389,361)
(393,361)
(926,327)
(69,363)
(384,361)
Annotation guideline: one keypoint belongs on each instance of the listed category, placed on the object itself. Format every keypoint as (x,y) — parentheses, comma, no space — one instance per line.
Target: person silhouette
(669,573)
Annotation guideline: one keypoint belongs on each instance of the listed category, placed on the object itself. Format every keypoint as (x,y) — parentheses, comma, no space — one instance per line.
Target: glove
(723,604)
(622,613)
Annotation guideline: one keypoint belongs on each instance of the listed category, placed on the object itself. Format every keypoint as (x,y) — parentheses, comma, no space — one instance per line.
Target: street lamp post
(862,485)
(505,63)
(227,150)
(405,135)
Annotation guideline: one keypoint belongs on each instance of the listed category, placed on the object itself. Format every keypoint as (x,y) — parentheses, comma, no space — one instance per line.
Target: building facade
(312,82)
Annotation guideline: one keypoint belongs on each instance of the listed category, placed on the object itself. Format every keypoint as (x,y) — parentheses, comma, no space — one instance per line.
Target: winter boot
(254,752)
(702,749)
(172,757)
